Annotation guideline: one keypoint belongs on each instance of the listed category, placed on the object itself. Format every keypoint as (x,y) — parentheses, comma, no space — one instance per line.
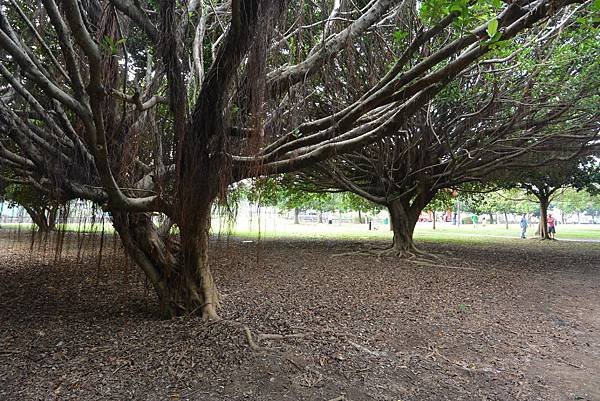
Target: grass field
(424,231)
(282,228)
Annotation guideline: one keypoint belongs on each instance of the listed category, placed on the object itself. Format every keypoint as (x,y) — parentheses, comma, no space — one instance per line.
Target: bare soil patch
(524,325)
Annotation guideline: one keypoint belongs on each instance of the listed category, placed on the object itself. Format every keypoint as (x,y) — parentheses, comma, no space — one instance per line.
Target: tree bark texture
(403,219)
(43,218)
(543,229)
(179,273)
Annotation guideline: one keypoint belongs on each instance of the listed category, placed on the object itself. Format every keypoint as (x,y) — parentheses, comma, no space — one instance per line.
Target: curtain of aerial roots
(178,268)
(80,235)
(82,240)
(403,219)
(44,233)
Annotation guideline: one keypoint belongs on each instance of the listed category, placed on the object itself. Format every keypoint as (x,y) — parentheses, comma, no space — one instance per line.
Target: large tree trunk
(179,273)
(201,289)
(506,220)
(543,228)
(403,220)
(296,216)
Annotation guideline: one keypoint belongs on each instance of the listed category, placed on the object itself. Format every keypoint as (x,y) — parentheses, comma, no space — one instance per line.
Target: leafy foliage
(41,208)
(572,201)
(285,193)
(501,201)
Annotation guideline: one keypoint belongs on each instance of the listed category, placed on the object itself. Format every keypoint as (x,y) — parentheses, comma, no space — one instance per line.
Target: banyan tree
(148,107)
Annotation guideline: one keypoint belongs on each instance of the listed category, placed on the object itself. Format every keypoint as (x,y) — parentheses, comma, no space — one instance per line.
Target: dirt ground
(514,320)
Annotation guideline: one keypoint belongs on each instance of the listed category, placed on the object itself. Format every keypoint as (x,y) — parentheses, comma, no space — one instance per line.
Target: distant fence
(69,220)
(76,216)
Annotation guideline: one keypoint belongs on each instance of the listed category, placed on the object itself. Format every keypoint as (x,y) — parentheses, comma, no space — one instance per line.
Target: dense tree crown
(159,106)
(538,109)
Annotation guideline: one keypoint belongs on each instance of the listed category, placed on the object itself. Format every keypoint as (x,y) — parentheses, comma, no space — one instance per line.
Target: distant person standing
(475,220)
(524,223)
(551,227)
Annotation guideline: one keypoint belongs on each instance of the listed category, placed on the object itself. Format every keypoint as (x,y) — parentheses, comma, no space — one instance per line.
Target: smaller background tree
(502,201)
(40,207)
(571,201)
(547,182)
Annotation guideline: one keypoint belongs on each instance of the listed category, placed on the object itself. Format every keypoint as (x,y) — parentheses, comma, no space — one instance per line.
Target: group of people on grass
(550,221)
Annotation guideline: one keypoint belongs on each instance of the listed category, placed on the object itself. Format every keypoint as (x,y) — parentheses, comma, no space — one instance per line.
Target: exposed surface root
(353,253)
(412,255)
(369,251)
(269,336)
(368,351)
(209,314)
(253,345)
(389,251)
(436,265)
(254,340)
(409,254)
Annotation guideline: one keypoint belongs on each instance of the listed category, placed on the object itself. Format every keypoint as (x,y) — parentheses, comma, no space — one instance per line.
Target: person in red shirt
(551,226)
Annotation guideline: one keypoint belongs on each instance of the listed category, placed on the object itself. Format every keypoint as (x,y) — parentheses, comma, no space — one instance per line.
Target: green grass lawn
(424,231)
(567,231)
(70,227)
